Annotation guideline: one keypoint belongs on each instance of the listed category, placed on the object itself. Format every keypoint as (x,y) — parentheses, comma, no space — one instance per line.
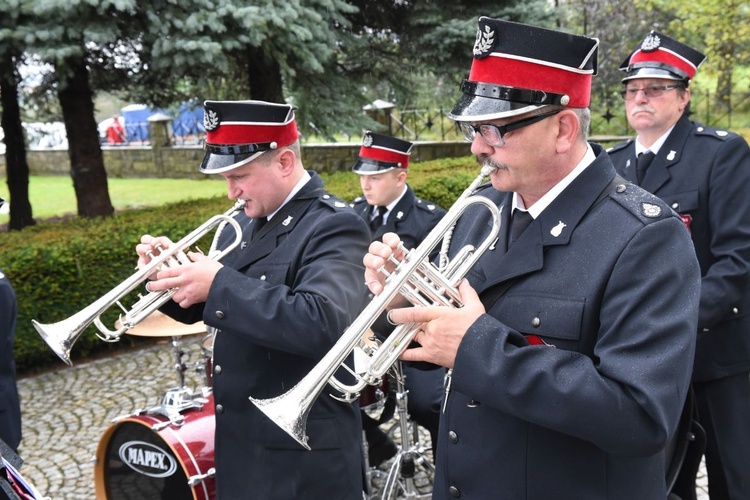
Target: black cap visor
(655,72)
(475,108)
(221,158)
(372,167)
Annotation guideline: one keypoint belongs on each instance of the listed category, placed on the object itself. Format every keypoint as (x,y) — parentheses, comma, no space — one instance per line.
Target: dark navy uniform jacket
(703,174)
(10,406)
(280,303)
(608,292)
(412,218)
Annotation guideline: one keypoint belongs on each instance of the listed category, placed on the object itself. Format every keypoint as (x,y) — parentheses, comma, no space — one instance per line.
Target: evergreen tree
(17,168)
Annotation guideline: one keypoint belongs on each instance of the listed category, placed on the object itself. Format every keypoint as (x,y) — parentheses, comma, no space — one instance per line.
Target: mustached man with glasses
(703,174)
(572,354)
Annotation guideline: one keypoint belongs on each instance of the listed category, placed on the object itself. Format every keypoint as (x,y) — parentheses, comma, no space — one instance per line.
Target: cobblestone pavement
(66,411)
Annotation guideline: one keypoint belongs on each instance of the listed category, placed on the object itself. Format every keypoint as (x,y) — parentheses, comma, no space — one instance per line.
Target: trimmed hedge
(58,268)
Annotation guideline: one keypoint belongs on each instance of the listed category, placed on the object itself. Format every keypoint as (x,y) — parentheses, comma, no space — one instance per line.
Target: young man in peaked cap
(703,174)
(388,204)
(571,356)
(279,301)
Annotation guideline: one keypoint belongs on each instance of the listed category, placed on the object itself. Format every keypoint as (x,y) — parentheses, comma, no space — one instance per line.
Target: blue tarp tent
(189,120)
(136,124)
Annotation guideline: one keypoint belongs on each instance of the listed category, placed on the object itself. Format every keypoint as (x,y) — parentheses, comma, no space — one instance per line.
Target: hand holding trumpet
(442,328)
(191,280)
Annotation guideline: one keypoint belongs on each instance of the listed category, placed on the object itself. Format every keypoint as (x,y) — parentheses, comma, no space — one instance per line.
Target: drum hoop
(100,487)
(195,464)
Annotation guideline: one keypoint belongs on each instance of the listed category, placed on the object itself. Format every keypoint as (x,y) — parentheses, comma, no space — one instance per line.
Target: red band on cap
(665,57)
(384,155)
(534,76)
(283,135)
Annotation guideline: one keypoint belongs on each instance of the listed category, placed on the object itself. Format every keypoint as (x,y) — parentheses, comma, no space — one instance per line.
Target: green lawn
(54,196)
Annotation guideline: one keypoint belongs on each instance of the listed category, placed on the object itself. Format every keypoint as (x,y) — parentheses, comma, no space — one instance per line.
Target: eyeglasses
(494,135)
(653,92)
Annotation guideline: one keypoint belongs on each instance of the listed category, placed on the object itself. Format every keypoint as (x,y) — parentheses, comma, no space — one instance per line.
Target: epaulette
(358,200)
(619,146)
(720,134)
(644,205)
(333,202)
(427,205)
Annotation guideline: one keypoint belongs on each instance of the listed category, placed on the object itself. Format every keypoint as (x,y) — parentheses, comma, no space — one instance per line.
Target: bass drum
(133,461)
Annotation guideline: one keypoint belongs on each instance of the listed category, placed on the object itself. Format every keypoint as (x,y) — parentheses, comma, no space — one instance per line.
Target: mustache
(486,161)
(642,108)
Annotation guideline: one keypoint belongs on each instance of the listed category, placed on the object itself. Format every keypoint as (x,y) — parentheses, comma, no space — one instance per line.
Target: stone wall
(183,161)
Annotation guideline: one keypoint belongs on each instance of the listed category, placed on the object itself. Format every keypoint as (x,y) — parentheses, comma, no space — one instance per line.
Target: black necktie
(259,223)
(518,225)
(642,163)
(377,221)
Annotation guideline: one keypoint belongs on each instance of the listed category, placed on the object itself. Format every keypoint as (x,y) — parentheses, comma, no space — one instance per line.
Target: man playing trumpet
(279,302)
(571,356)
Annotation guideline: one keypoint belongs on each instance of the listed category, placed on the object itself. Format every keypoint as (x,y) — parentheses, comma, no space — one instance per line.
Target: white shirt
(558,188)
(305,178)
(655,147)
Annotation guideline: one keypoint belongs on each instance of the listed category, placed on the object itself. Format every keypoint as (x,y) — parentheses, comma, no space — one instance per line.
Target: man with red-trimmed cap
(389,204)
(279,302)
(571,357)
(703,174)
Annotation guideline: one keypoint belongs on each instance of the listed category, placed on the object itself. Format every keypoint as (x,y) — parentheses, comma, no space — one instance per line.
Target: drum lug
(198,478)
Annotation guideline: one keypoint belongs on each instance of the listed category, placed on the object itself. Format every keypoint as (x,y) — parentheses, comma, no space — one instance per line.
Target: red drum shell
(374,394)
(134,462)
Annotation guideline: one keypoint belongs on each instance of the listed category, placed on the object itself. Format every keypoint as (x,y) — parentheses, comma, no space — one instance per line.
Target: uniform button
(473,403)
(455,492)
(675,206)
(220,314)
(217,369)
(735,310)
(453,437)
(620,188)
(263,277)
(536,322)
(219,409)
(326,196)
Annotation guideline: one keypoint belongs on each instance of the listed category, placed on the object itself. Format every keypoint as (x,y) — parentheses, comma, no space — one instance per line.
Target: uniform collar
(656,146)
(390,206)
(303,180)
(558,188)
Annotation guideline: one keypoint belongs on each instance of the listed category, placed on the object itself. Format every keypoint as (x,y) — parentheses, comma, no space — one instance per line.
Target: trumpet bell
(283,411)
(58,341)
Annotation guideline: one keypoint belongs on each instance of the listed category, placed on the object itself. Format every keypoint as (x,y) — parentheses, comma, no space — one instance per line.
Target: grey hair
(583,114)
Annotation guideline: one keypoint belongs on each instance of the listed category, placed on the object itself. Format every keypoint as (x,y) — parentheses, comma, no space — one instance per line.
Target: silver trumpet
(62,335)
(417,280)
